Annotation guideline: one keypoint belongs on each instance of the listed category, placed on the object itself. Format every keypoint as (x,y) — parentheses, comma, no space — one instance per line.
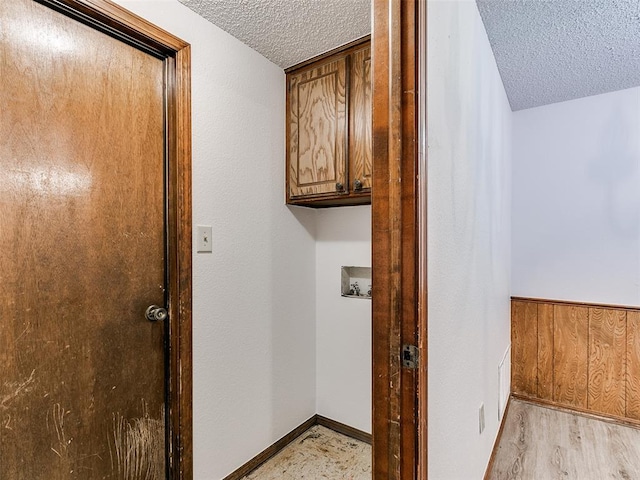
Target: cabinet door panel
(360,121)
(317,129)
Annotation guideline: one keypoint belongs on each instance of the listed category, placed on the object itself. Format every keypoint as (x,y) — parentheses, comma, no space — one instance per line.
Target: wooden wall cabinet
(329,160)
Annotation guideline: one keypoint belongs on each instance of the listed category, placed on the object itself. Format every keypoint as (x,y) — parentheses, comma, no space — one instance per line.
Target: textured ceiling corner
(288,32)
(547,51)
(556,50)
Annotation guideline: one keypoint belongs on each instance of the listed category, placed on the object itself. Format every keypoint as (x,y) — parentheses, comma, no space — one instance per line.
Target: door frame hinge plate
(410,356)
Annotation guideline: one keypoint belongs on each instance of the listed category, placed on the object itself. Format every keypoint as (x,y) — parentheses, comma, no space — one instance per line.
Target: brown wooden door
(317,123)
(82,251)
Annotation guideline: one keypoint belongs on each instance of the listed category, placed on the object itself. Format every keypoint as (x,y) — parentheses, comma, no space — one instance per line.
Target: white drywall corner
(343,325)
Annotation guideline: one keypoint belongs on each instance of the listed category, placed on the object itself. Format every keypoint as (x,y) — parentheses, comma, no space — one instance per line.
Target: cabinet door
(360,121)
(317,130)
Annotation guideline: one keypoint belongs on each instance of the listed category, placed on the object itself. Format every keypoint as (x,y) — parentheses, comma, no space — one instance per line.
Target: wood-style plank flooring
(540,443)
(318,453)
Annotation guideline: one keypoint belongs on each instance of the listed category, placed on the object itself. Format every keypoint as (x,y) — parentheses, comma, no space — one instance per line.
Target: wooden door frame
(398,232)
(116,21)
(399,239)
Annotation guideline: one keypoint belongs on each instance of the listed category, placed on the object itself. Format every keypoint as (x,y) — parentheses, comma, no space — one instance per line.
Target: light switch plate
(204,241)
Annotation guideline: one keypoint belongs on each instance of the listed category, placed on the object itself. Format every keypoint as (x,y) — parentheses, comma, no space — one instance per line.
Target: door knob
(357,185)
(155,313)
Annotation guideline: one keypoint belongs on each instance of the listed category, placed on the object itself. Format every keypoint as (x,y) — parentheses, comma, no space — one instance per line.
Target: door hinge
(410,356)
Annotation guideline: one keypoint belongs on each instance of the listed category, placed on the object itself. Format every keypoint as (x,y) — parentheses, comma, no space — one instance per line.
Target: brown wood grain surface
(632,374)
(607,360)
(386,391)
(360,137)
(408,193)
(545,351)
(318,128)
(575,304)
(395,241)
(524,347)
(571,350)
(82,250)
(588,356)
(178,78)
(328,123)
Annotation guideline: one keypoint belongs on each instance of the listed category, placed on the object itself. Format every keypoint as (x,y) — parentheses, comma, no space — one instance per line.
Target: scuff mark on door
(7,423)
(137,447)
(15,389)
(57,418)
(60,443)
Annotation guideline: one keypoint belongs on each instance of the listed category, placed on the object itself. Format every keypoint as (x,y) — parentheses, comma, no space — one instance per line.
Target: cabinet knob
(357,185)
(339,187)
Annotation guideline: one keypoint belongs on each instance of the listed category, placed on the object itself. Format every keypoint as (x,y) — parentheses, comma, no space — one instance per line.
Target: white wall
(343,325)
(469,152)
(576,200)
(254,306)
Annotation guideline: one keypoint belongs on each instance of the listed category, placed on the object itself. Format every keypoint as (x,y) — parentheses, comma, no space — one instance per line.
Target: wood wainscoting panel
(577,355)
(545,350)
(607,352)
(571,354)
(524,341)
(632,398)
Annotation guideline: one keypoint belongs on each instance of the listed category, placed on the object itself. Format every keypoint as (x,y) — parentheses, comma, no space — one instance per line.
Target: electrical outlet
(481,418)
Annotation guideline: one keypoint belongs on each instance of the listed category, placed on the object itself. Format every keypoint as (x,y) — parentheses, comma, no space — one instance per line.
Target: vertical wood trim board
(632,383)
(545,351)
(570,355)
(577,355)
(524,335)
(607,360)
(395,244)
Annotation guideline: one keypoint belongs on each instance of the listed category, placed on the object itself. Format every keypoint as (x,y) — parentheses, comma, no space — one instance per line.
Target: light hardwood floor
(319,453)
(540,443)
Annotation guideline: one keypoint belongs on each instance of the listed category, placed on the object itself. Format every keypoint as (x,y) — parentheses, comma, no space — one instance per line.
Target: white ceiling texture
(550,51)
(547,51)
(288,32)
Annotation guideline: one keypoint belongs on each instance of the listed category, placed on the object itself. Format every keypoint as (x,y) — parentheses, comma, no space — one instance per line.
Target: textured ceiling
(288,32)
(550,51)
